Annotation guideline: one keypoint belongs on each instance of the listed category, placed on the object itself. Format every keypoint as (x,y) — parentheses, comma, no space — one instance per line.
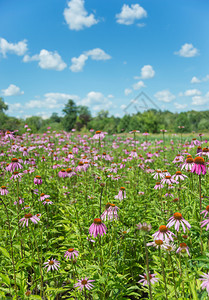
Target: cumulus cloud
(47,60)
(96,101)
(129,14)
(51,101)
(15,107)
(200,100)
(180,106)
(127,91)
(138,85)
(165,96)
(187,50)
(147,72)
(78,63)
(19,48)
(193,92)
(77,17)
(12,90)
(195,80)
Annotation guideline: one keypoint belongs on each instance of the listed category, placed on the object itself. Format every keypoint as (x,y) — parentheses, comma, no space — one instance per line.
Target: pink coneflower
(62,173)
(144,280)
(188,164)
(179,176)
(13,165)
(178,220)
(145,133)
(28,217)
(47,201)
(199,166)
(20,201)
(97,228)
(84,283)
(71,253)
(52,264)
(43,196)
(205,282)
(111,212)
(99,135)
(163,234)
(157,174)
(204,223)
(80,167)
(158,186)
(122,194)
(156,243)
(168,179)
(206,211)
(144,227)
(90,240)
(183,248)
(4,190)
(38,180)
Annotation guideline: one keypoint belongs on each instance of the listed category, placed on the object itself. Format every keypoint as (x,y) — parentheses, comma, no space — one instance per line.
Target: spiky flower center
(157,183)
(207,207)
(178,173)
(68,170)
(80,163)
(183,245)
(97,221)
(38,176)
(150,276)
(63,170)
(3,187)
(51,262)
(14,160)
(84,282)
(28,216)
(163,228)
(189,160)
(167,177)
(199,160)
(177,216)
(124,232)
(98,132)
(70,250)
(42,194)
(47,200)
(205,150)
(158,242)
(122,188)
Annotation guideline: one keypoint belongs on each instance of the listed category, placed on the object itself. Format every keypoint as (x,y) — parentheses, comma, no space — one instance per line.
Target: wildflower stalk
(173,274)
(201,243)
(11,245)
(163,270)
(147,268)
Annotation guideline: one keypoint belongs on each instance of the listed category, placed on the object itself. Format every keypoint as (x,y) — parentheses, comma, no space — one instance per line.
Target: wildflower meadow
(98,216)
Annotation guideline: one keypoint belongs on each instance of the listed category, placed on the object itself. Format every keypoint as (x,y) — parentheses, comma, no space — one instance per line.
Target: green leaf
(5,278)
(5,252)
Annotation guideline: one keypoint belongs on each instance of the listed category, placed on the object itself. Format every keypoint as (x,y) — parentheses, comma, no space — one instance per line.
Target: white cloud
(12,90)
(193,92)
(195,80)
(180,106)
(128,15)
(165,96)
(147,72)
(14,107)
(200,100)
(51,101)
(96,101)
(78,63)
(187,50)
(127,91)
(206,78)
(19,48)
(141,25)
(77,17)
(97,54)
(138,85)
(123,106)
(47,60)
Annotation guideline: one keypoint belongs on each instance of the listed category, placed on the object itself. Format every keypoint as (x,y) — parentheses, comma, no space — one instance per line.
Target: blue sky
(103,54)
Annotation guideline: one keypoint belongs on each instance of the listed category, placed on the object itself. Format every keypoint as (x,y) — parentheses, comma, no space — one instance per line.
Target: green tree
(70,114)
(3,105)
(55,118)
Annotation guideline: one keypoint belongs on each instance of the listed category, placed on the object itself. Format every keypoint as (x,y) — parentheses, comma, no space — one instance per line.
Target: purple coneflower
(168,179)
(28,217)
(84,283)
(178,220)
(163,234)
(52,264)
(199,166)
(111,212)
(205,282)
(156,243)
(47,201)
(13,165)
(206,211)
(144,280)
(71,253)
(4,190)
(62,173)
(183,248)
(43,196)
(122,194)
(158,186)
(97,228)
(38,180)
(204,223)
(179,176)
(99,135)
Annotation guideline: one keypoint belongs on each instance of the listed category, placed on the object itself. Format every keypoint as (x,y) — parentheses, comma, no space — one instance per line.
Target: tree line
(81,119)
